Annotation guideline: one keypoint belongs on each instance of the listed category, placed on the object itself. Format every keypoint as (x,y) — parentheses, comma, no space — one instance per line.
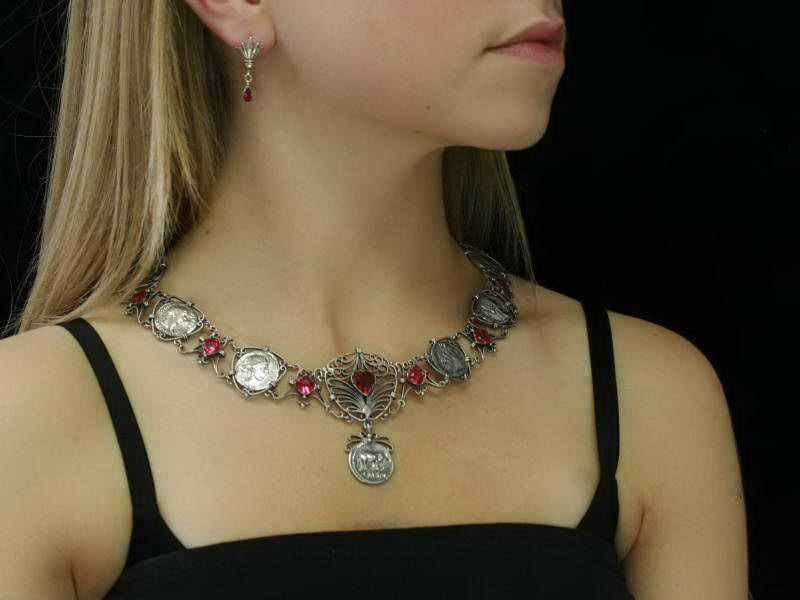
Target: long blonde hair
(139,138)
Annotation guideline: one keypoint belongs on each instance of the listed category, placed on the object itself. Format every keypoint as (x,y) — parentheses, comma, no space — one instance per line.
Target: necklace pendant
(364,387)
(370,456)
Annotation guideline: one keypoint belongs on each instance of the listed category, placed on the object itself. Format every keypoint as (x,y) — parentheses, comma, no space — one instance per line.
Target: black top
(483,560)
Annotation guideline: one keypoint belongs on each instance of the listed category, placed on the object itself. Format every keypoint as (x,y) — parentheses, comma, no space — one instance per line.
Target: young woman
(326,185)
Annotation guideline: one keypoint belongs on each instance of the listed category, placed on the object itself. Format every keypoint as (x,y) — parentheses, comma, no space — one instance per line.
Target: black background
(662,189)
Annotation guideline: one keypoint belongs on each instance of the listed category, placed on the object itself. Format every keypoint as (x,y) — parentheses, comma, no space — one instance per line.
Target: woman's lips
(540,51)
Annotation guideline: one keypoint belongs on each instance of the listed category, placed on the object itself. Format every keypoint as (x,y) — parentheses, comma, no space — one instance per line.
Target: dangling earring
(249,51)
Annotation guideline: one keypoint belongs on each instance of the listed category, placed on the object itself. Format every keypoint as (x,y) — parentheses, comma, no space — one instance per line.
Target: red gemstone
(248,94)
(210,346)
(138,297)
(363,380)
(501,281)
(482,336)
(416,375)
(305,385)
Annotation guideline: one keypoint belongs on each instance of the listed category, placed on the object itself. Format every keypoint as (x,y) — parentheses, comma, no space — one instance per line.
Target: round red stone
(482,336)
(210,346)
(138,297)
(501,281)
(363,380)
(247,94)
(305,385)
(416,375)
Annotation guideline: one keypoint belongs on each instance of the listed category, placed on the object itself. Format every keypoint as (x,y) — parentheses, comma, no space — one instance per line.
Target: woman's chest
(515,443)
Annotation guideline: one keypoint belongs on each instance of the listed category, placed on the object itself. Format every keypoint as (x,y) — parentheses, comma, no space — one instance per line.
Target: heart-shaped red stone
(363,380)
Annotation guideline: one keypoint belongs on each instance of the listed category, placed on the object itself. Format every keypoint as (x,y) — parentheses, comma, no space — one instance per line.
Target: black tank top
(483,560)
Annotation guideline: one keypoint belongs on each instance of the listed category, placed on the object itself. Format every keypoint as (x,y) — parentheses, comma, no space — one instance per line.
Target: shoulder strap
(150,535)
(603,513)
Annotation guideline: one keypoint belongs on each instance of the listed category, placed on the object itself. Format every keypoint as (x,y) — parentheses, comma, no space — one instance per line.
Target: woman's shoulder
(655,366)
(630,334)
(49,412)
(677,441)
(46,365)
(55,434)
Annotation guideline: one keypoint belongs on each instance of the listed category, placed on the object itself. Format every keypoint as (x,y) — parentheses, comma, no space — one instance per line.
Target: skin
(339,157)
(356,101)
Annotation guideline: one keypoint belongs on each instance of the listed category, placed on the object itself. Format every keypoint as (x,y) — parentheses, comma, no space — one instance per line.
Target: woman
(326,180)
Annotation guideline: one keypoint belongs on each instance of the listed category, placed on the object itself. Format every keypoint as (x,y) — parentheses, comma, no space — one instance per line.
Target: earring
(249,51)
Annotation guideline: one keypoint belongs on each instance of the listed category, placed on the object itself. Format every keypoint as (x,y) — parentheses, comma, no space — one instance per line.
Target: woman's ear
(234,21)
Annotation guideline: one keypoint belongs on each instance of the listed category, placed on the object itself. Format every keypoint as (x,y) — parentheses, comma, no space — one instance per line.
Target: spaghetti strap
(603,513)
(150,535)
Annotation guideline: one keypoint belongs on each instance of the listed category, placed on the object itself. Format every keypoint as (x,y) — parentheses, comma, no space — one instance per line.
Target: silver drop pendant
(369,456)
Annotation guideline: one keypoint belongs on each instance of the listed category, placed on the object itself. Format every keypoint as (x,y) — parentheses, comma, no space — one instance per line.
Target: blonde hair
(139,137)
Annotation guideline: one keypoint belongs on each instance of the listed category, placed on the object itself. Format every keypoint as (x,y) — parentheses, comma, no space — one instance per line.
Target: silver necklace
(359,386)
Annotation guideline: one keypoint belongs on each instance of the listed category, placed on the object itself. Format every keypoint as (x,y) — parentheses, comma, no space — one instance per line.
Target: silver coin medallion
(448,358)
(175,319)
(491,308)
(370,462)
(256,370)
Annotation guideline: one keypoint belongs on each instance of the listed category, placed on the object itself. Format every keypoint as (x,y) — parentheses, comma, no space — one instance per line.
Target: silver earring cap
(249,50)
